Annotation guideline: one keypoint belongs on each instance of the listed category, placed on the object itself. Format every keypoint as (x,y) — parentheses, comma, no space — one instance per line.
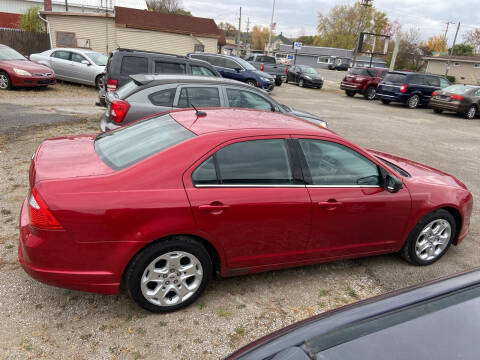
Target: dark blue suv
(409,88)
(235,68)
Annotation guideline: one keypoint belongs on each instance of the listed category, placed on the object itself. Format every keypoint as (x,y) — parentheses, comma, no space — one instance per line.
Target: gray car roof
(152,79)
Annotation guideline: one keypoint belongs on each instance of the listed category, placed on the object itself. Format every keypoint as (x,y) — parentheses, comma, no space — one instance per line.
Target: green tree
(167,6)
(342,25)
(462,50)
(29,21)
(306,39)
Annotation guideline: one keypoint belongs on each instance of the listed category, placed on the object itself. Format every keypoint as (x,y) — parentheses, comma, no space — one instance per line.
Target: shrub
(451,79)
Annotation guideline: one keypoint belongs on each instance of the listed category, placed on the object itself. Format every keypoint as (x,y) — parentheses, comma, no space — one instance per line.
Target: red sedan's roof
(243,119)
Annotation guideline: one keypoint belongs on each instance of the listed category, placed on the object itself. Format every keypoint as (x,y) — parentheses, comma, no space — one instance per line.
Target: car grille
(43,74)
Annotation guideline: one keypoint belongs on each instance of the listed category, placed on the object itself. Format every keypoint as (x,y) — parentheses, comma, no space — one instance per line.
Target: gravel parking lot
(40,321)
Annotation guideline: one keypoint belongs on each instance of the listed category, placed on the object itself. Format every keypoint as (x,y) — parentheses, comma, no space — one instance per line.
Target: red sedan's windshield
(7,53)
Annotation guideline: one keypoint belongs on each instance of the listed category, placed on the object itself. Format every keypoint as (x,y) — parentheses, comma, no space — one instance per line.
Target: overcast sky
(299,17)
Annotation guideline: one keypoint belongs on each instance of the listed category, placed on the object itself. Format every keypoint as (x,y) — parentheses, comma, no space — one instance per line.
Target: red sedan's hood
(420,172)
(28,65)
(67,157)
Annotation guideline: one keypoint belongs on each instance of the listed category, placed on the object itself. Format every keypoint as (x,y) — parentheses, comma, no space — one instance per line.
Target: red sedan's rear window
(128,145)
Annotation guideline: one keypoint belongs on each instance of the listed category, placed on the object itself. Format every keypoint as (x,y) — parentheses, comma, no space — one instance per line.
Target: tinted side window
(205,173)
(216,61)
(432,81)
(78,58)
(199,97)
(246,99)
(255,162)
(201,71)
(200,57)
(229,64)
(169,68)
(163,98)
(134,65)
(382,75)
(335,164)
(417,80)
(64,55)
(444,83)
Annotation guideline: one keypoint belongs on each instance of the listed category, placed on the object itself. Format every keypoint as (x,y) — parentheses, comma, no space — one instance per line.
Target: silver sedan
(76,65)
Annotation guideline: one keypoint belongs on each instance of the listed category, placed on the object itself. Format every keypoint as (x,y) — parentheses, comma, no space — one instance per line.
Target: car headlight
(307,77)
(265,79)
(21,72)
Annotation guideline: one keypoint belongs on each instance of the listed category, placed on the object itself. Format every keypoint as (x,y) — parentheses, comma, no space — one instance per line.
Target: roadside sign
(297,45)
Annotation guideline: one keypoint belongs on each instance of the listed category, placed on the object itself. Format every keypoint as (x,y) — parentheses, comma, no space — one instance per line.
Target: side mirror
(238,69)
(392,183)
(85,62)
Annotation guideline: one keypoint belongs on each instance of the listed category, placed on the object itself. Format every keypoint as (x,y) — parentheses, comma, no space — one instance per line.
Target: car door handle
(331,203)
(214,207)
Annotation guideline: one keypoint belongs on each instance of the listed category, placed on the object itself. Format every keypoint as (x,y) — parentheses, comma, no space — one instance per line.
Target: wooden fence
(25,42)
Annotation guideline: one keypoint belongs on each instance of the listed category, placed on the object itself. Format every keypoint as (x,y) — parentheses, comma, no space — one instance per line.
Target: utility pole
(239,31)
(270,33)
(395,53)
(446,30)
(366,4)
(451,50)
(248,29)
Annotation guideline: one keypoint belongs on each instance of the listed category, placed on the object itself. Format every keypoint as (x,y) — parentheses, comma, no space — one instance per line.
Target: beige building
(135,29)
(466,69)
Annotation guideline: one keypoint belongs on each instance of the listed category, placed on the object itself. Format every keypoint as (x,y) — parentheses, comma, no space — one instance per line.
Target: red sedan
(167,202)
(17,71)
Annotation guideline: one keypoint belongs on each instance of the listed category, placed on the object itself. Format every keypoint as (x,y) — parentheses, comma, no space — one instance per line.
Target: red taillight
(434,93)
(112,85)
(118,110)
(40,216)
(262,67)
(403,88)
(456,97)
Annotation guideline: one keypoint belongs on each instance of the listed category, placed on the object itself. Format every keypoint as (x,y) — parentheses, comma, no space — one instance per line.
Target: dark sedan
(439,320)
(149,94)
(461,99)
(304,76)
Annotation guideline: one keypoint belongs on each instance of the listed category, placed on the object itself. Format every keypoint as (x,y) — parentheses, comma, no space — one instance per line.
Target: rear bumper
(32,81)
(106,125)
(402,98)
(313,83)
(53,258)
(449,106)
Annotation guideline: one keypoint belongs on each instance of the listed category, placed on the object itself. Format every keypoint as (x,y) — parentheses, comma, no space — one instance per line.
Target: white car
(76,65)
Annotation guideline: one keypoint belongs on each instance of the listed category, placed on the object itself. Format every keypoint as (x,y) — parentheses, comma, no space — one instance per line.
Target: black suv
(125,62)
(410,88)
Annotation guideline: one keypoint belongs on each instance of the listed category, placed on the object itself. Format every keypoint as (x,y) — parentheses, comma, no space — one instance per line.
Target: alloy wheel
(171,278)
(413,101)
(100,82)
(3,82)
(433,239)
(471,112)
(371,92)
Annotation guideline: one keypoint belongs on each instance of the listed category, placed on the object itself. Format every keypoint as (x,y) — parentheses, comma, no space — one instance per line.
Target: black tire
(370,93)
(386,102)
(437,111)
(350,93)
(251,82)
(99,81)
(301,83)
(320,87)
(142,260)
(5,82)
(278,81)
(471,113)
(408,251)
(413,101)
(286,80)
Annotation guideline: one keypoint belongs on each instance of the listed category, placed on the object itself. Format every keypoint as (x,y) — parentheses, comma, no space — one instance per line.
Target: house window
(324,59)
(199,48)
(476,66)
(456,64)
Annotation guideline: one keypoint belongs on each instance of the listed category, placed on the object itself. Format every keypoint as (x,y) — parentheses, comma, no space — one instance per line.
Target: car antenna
(197,112)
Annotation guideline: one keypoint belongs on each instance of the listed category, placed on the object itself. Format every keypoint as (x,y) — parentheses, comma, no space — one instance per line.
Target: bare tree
(473,38)
(166,6)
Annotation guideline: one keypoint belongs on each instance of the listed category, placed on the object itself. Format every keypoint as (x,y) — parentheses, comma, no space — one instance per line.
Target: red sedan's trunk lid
(66,157)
